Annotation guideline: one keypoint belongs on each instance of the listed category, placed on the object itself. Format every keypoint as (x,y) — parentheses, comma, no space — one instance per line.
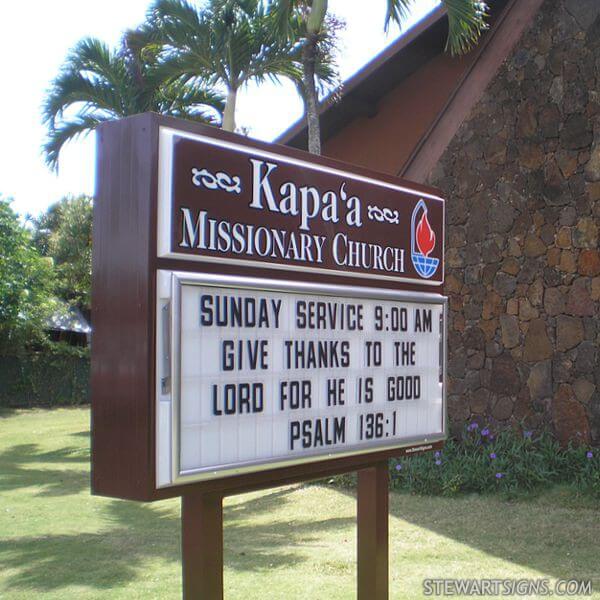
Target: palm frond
(68,130)
(397,11)
(467,20)
(71,88)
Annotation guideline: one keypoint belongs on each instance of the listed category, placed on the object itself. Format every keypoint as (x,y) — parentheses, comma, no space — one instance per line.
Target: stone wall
(522,179)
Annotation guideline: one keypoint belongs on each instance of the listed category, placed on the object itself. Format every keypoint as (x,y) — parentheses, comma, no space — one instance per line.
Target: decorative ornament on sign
(383,214)
(219,180)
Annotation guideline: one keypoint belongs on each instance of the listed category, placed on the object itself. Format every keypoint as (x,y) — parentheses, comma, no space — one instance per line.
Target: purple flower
(398,467)
(438,462)
(437,453)
(590,454)
(492,455)
(528,434)
(485,432)
(473,427)
(499,475)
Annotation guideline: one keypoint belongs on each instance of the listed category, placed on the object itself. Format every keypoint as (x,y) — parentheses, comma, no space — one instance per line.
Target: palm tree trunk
(311,101)
(229,112)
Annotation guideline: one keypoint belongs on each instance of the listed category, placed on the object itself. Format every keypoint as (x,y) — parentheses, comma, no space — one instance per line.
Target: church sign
(260,315)
(231,202)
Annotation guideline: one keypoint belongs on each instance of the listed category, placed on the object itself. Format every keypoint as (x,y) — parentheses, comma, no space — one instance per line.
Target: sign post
(261,317)
(372,522)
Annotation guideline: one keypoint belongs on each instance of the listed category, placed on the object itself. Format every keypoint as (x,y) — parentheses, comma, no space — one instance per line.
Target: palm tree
(97,84)
(227,42)
(466,22)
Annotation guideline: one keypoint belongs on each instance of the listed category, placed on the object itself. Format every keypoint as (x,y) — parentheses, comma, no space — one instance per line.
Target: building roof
(68,318)
(361,93)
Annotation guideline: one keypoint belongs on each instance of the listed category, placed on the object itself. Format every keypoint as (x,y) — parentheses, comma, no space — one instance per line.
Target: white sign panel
(263,377)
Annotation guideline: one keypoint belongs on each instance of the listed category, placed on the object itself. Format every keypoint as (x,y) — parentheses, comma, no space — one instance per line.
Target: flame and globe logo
(422,242)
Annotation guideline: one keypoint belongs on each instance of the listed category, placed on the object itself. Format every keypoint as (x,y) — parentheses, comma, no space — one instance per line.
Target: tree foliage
(466,21)
(26,285)
(97,84)
(227,42)
(466,18)
(64,233)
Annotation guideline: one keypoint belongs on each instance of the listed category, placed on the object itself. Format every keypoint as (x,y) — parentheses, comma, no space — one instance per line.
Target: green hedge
(48,378)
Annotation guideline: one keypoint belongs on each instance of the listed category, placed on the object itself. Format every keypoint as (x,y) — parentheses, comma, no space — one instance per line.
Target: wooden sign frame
(123,377)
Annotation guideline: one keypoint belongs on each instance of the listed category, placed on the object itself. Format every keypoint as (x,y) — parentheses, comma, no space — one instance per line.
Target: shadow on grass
(540,534)
(16,472)
(555,533)
(138,532)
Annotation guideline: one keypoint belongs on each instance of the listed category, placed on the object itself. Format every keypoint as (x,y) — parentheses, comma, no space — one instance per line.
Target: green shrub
(56,376)
(508,462)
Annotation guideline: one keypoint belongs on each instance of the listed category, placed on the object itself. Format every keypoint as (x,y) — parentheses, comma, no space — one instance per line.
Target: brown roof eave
(361,93)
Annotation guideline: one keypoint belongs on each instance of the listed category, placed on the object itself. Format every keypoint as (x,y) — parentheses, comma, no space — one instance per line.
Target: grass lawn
(57,541)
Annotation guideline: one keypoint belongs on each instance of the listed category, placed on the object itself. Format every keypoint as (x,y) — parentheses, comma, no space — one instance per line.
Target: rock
(549,120)
(579,301)
(547,234)
(479,401)
(539,381)
(557,90)
(568,216)
(510,330)
(491,306)
(454,258)
(585,12)
(569,417)
(473,310)
(505,284)
(552,277)
(452,283)
(563,237)
(537,344)
(595,295)
(473,339)
(589,328)
(457,362)
(536,292)
(576,132)
(583,390)
(527,124)
(529,270)
(566,161)
(593,191)
(569,332)
(505,376)
(512,306)
(589,263)
(568,262)
(526,311)
(489,328)
(495,152)
(503,408)
(531,156)
(473,381)
(561,368)
(533,246)
(513,247)
(511,266)
(476,361)
(554,302)
(458,409)
(586,357)
(592,169)
(585,235)
(490,251)
(553,257)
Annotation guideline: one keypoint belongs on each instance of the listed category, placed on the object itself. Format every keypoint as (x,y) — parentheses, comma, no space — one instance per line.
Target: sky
(35,39)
